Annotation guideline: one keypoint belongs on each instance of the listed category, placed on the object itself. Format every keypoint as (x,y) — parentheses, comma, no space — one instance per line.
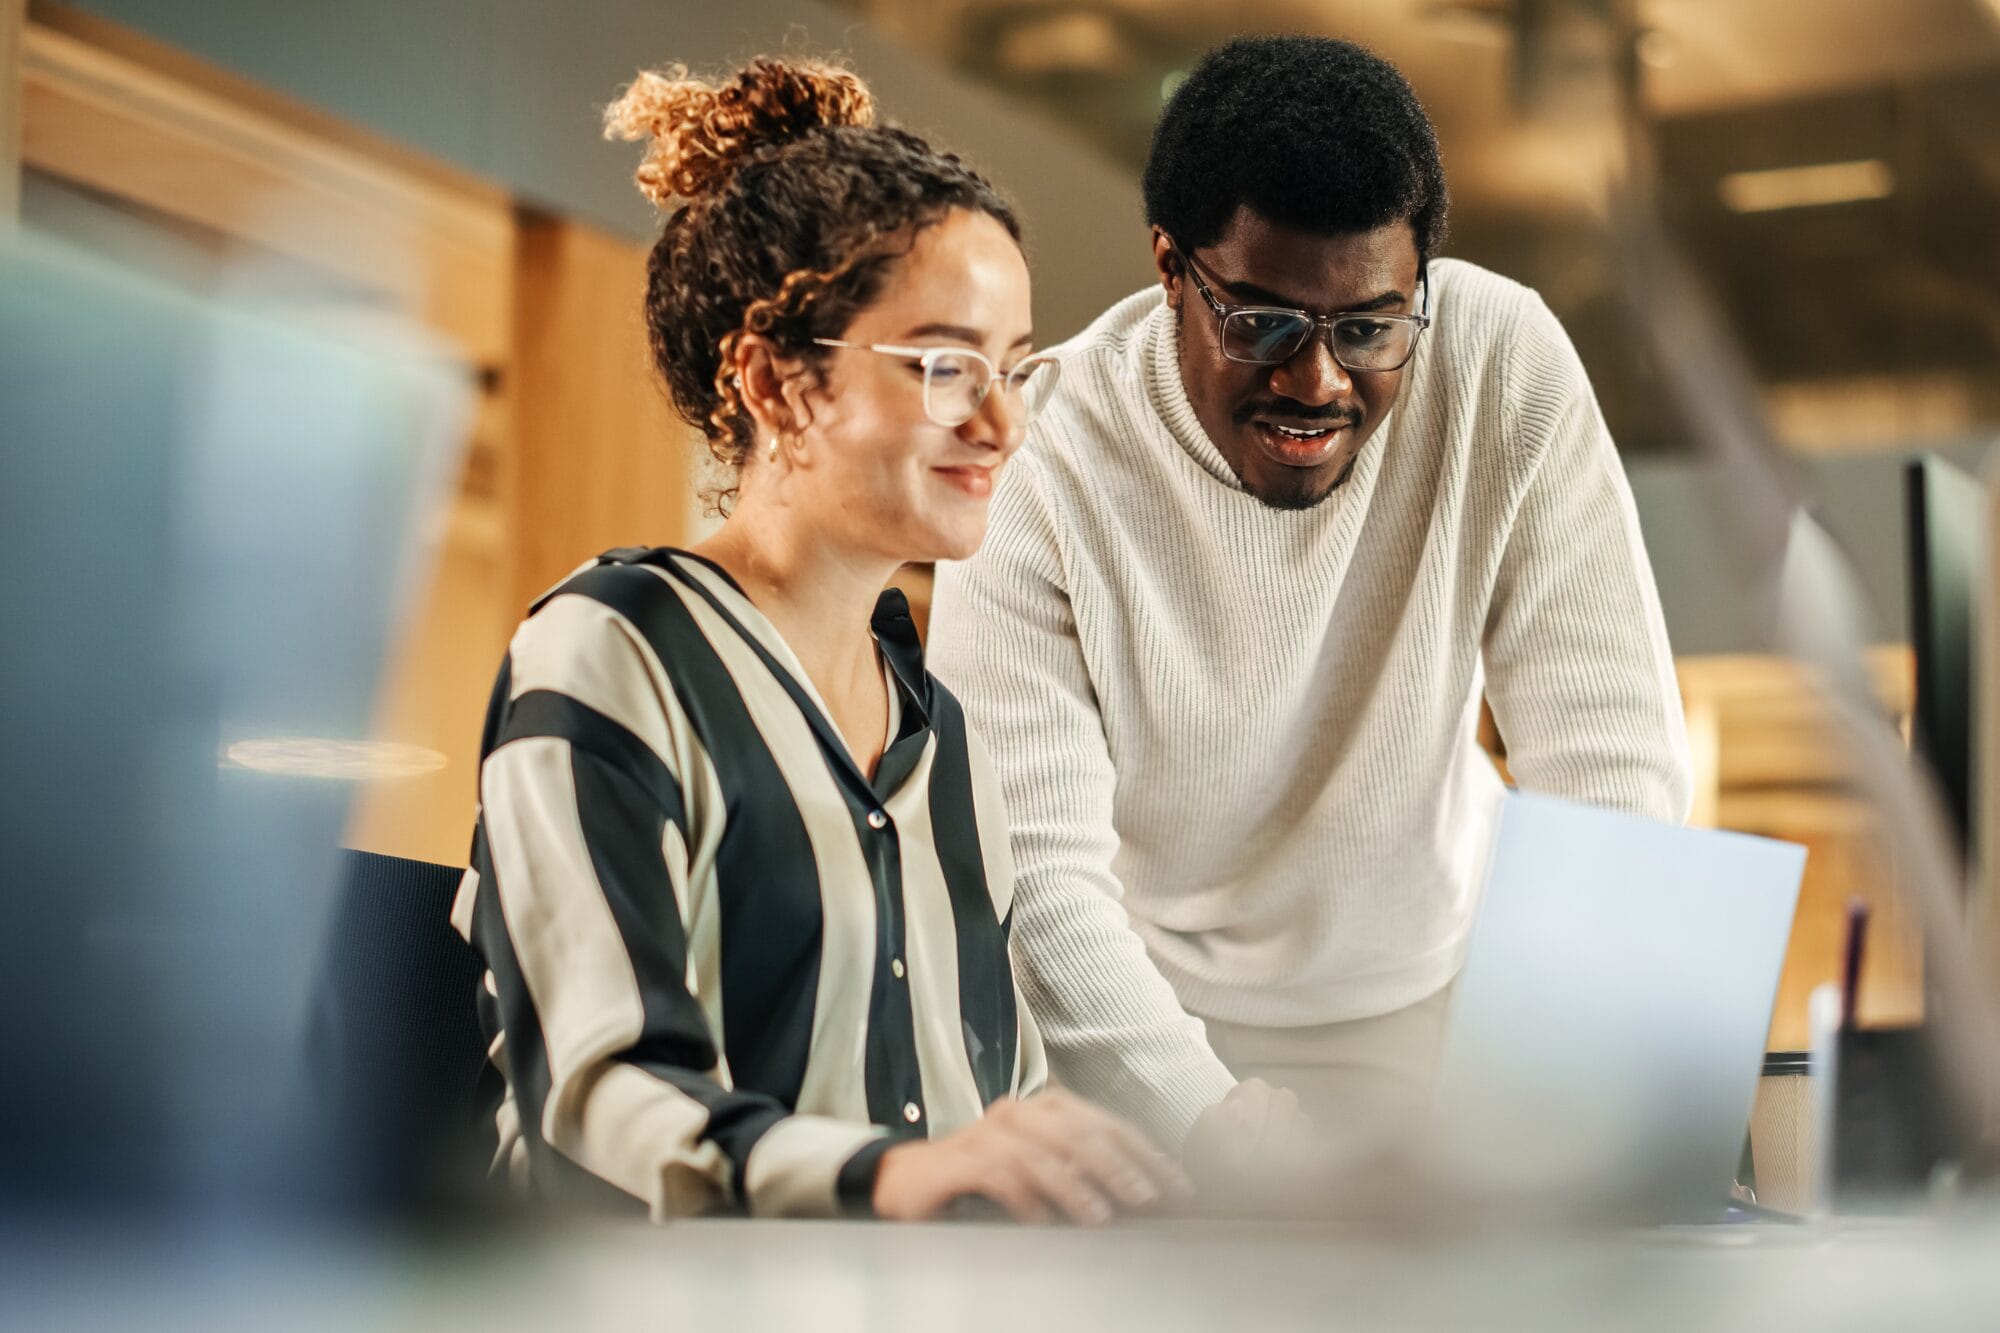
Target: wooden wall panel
(435,247)
(13,18)
(434,695)
(602,461)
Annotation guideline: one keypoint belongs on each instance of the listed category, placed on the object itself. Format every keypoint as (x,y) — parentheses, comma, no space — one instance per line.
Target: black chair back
(402,1094)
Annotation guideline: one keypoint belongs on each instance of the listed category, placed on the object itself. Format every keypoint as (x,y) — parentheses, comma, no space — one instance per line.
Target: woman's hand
(1052,1156)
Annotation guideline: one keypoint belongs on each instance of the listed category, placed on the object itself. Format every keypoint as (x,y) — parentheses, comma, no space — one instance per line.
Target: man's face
(1292,431)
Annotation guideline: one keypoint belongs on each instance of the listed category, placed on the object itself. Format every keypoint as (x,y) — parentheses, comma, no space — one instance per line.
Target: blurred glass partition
(208,521)
(151,161)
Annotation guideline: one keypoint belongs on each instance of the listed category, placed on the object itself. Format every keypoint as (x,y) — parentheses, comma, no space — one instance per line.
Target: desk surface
(734,1274)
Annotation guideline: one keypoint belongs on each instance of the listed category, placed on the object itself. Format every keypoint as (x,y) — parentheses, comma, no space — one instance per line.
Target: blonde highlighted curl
(701,130)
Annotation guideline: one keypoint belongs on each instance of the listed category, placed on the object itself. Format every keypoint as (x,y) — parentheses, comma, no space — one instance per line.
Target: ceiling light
(1086,42)
(1806,187)
(1475,21)
(317,757)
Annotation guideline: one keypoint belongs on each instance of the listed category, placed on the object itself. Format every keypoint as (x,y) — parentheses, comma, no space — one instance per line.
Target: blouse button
(896,967)
(912,1112)
(877,820)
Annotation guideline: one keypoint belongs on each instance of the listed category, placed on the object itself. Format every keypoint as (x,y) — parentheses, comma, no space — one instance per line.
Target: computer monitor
(1946,536)
(1895,1118)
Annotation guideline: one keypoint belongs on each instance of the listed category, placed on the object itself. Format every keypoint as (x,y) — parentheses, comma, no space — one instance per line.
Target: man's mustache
(1298,412)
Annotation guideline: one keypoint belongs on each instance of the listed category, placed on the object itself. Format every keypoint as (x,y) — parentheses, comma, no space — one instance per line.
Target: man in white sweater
(1293,510)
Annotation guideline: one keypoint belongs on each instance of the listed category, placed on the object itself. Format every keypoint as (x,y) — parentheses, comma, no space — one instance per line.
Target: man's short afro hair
(1310,132)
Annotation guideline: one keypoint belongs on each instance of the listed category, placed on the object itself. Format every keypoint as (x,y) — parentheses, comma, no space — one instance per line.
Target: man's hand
(1251,1144)
(1048,1157)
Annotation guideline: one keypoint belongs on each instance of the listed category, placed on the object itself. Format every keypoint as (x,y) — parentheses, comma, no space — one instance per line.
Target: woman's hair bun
(702,129)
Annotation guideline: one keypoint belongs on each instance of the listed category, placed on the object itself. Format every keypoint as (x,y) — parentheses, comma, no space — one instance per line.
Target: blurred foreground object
(208,526)
(1785,556)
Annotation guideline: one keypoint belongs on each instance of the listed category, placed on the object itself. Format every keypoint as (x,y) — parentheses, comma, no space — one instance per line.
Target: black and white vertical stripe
(724,965)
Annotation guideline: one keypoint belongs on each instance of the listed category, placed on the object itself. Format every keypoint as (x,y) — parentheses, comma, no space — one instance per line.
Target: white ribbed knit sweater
(1237,744)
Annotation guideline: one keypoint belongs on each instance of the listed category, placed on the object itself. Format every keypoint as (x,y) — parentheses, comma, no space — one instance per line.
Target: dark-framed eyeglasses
(1264,335)
(958,379)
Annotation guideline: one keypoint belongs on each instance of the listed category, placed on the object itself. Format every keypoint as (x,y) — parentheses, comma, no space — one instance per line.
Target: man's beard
(1303,497)
(1294,501)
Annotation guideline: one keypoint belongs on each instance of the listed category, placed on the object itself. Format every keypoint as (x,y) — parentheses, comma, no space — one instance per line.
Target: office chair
(401,1094)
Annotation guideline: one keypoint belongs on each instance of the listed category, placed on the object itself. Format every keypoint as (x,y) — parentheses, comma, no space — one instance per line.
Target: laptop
(1607,1031)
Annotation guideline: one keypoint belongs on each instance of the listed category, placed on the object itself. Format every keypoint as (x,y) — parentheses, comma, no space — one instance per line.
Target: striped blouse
(724,965)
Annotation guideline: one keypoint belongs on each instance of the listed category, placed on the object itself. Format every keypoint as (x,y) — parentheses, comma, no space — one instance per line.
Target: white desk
(734,1275)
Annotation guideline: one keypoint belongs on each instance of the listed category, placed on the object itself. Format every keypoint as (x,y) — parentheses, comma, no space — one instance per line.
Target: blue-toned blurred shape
(207,525)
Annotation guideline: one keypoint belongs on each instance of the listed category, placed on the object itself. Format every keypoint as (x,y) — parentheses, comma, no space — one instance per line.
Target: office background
(1832,169)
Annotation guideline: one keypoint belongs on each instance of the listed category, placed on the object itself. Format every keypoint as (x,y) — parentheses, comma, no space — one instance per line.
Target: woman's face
(881,473)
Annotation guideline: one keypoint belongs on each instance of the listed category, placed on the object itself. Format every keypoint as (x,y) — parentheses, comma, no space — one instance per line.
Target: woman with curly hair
(740,876)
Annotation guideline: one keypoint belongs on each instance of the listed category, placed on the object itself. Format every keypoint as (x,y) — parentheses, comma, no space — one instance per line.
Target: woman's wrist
(895,1163)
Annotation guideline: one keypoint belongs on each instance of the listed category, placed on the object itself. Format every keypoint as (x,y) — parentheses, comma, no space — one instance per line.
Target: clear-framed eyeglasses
(1261,335)
(958,379)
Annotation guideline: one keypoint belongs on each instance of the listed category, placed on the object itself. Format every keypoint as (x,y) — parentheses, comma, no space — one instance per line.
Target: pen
(1857,940)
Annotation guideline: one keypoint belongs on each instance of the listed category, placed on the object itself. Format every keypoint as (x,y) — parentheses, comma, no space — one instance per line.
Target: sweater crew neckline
(1168,394)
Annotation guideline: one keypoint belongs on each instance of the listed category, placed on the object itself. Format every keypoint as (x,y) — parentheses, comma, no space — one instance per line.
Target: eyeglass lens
(1359,342)
(956,384)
